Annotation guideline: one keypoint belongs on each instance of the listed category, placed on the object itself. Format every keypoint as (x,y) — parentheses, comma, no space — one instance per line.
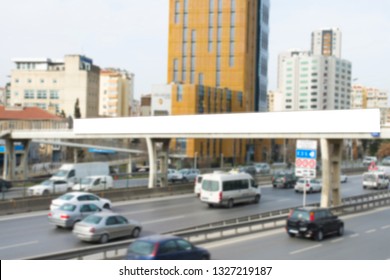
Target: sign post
(306,161)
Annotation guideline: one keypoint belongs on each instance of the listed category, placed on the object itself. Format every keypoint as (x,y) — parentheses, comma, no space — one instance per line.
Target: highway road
(27,235)
(366,238)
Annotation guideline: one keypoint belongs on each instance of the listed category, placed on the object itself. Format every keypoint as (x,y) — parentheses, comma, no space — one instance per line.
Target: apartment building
(326,42)
(116,92)
(55,85)
(218,49)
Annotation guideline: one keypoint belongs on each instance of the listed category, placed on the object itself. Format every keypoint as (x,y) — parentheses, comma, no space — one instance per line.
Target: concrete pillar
(152,153)
(331,150)
(164,162)
(9,160)
(130,164)
(24,159)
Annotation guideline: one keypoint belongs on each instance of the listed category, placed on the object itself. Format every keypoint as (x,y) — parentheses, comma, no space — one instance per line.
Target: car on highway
(48,187)
(375,180)
(386,161)
(80,196)
(343,178)
(367,160)
(165,247)
(5,185)
(312,222)
(308,185)
(189,174)
(94,183)
(283,179)
(174,175)
(68,214)
(104,226)
(249,169)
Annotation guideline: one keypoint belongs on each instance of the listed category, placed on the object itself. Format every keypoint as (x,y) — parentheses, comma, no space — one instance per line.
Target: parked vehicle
(367,160)
(386,161)
(250,169)
(313,223)
(50,186)
(311,185)
(375,180)
(189,174)
(104,226)
(5,185)
(343,178)
(74,172)
(228,189)
(73,197)
(262,168)
(283,179)
(94,183)
(163,247)
(174,175)
(68,214)
(198,185)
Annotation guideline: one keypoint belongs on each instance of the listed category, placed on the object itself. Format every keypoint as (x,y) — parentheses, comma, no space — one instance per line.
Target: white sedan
(80,196)
(48,187)
(311,185)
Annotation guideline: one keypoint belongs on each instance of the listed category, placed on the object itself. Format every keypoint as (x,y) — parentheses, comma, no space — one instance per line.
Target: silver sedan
(102,227)
(70,213)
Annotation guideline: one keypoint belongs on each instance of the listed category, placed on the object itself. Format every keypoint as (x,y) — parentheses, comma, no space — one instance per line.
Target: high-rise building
(218,63)
(221,44)
(116,92)
(56,85)
(326,42)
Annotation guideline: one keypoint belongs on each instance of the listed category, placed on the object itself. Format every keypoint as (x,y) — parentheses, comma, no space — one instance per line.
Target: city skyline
(120,34)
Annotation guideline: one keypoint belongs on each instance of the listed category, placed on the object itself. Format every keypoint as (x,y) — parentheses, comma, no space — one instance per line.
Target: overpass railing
(224,229)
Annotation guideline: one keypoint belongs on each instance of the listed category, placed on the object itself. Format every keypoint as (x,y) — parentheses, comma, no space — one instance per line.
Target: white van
(73,172)
(375,180)
(228,189)
(94,183)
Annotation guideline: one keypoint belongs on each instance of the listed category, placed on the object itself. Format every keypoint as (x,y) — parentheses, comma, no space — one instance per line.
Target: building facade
(55,85)
(218,54)
(326,42)
(116,93)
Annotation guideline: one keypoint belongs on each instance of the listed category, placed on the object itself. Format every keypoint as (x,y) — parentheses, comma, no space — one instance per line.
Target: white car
(174,175)
(80,196)
(94,183)
(48,187)
(311,185)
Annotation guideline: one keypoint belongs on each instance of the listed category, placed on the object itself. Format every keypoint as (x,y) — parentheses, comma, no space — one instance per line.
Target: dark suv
(283,179)
(313,223)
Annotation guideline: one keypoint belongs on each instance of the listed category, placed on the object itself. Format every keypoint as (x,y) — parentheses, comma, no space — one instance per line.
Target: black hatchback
(315,223)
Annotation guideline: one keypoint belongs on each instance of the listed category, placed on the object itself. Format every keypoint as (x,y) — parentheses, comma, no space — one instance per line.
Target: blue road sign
(310,154)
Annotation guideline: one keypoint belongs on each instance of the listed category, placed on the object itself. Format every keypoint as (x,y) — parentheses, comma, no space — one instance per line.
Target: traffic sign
(306,158)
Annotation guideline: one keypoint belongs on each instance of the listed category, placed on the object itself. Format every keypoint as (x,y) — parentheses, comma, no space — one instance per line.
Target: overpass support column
(9,160)
(24,159)
(331,150)
(153,162)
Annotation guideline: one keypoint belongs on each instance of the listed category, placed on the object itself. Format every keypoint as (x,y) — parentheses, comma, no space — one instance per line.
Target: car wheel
(69,189)
(291,234)
(106,206)
(274,186)
(104,238)
(310,190)
(135,233)
(205,257)
(211,205)
(320,235)
(340,232)
(257,199)
(230,203)
(45,192)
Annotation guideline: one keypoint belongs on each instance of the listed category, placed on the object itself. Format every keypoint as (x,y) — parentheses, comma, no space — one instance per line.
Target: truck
(74,172)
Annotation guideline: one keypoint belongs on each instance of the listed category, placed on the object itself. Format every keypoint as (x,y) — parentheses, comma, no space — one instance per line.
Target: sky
(133,34)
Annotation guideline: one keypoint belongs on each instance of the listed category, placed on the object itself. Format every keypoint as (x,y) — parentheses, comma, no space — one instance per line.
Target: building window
(179,96)
(54,94)
(41,94)
(29,94)
(177,12)
(175,70)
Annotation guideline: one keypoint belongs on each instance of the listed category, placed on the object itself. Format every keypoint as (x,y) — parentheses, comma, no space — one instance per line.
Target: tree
(384,149)
(77,113)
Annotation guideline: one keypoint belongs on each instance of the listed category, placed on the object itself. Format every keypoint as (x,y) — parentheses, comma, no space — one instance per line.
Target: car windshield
(66,197)
(142,248)
(210,185)
(86,181)
(92,219)
(68,207)
(61,173)
(301,215)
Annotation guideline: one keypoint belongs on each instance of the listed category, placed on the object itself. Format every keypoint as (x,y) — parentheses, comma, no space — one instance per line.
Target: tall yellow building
(218,55)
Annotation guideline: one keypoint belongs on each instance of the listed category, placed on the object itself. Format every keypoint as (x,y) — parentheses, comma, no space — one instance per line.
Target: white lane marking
(385,227)
(19,245)
(354,235)
(371,231)
(163,220)
(337,240)
(305,249)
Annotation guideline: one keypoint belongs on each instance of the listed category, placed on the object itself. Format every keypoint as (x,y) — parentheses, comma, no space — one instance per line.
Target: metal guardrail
(224,229)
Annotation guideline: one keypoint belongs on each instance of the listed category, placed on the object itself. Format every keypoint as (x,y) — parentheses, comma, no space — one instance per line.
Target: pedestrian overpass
(329,127)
